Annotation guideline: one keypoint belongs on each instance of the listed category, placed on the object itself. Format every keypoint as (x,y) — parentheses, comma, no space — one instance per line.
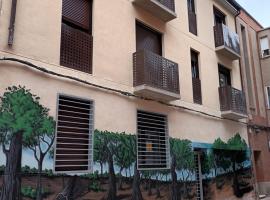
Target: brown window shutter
(77,12)
(148,39)
(76,49)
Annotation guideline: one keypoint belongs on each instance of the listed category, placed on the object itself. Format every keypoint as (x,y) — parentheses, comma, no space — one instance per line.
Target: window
(148,39)
(224,76)
(194,64)
(219,17)
(74,135)
(196,82)
(268,96)
(192,18)
(76,38)
(152,141)
(264,46)
(191,5)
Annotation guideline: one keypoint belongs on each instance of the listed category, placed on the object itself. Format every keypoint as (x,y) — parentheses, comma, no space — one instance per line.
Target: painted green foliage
(231,157)
(24,122)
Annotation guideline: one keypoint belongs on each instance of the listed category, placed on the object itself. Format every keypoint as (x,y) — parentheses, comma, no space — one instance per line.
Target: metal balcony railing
(168,4)
(76,49)
(155,71)
(232,99)
(227,38)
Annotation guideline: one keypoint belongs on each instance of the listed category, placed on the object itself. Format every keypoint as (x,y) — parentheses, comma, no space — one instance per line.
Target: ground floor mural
(218,171)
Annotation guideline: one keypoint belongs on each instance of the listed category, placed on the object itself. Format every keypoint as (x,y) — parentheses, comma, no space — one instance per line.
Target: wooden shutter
(74,136)
(76,39)
(148,39)
(77,12)
(196,82)
(152,141)
(76,49)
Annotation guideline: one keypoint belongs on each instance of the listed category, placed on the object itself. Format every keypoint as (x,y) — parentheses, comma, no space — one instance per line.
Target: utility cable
(124,93)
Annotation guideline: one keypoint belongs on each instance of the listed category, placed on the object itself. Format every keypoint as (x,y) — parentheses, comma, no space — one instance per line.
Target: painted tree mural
(26,125)
(40,142)
(231,157)
(182,160)
(22,118)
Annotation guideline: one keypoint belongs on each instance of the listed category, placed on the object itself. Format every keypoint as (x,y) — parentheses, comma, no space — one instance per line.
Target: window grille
(152,141)
(74,135)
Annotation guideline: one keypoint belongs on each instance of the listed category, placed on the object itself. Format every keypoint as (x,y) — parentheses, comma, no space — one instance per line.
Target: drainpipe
(12,22)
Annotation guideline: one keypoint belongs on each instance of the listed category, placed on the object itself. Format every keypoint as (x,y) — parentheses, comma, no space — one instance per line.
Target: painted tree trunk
(136,191)
(72,190)
(11,189)
(120,187)
(158,195)
(101,169)
(236,187)
(39,183)
(111,195)
(174,191)
(149,193)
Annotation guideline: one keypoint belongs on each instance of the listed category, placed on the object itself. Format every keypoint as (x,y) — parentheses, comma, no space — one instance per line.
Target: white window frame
(264,49)
(91,136)
(168,159)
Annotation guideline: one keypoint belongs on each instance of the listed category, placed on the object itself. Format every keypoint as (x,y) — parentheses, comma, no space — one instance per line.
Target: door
(219,17)
(224,76)
(148,39)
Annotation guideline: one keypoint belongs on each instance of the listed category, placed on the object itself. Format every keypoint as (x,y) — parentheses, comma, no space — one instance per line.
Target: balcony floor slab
(154,93)
(233,115)
(157,9)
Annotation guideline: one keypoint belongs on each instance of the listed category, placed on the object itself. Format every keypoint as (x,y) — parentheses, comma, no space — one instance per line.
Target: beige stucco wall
(115,112)
(37,39)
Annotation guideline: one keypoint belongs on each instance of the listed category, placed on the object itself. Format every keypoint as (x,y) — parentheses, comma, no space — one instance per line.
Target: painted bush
(27,135)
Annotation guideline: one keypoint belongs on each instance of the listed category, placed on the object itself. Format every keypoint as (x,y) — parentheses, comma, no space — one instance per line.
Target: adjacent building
(263,157)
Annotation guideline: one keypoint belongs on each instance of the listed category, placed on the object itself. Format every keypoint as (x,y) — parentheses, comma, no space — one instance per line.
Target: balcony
(76,49)
(163,9)
(232,103)
(227,42)
(155,77)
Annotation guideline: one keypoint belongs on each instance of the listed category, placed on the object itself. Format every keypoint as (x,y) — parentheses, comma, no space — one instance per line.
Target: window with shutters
(152,141)
(74,135)
(76,35)
(268,96)
(264,42)
(148,39)
(196,82)
(192,18)
(219,17)
(224,76)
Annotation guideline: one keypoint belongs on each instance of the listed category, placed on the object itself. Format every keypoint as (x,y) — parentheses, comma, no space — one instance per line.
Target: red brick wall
(250,21)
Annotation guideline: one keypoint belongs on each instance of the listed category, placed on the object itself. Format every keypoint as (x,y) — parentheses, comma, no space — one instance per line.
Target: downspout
(12,22)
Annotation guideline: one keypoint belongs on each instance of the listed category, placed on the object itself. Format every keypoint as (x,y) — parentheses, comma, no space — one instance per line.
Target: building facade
(263,158)
(167,72)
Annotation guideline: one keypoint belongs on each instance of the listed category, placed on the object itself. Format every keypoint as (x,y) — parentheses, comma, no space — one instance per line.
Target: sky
(259,9)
